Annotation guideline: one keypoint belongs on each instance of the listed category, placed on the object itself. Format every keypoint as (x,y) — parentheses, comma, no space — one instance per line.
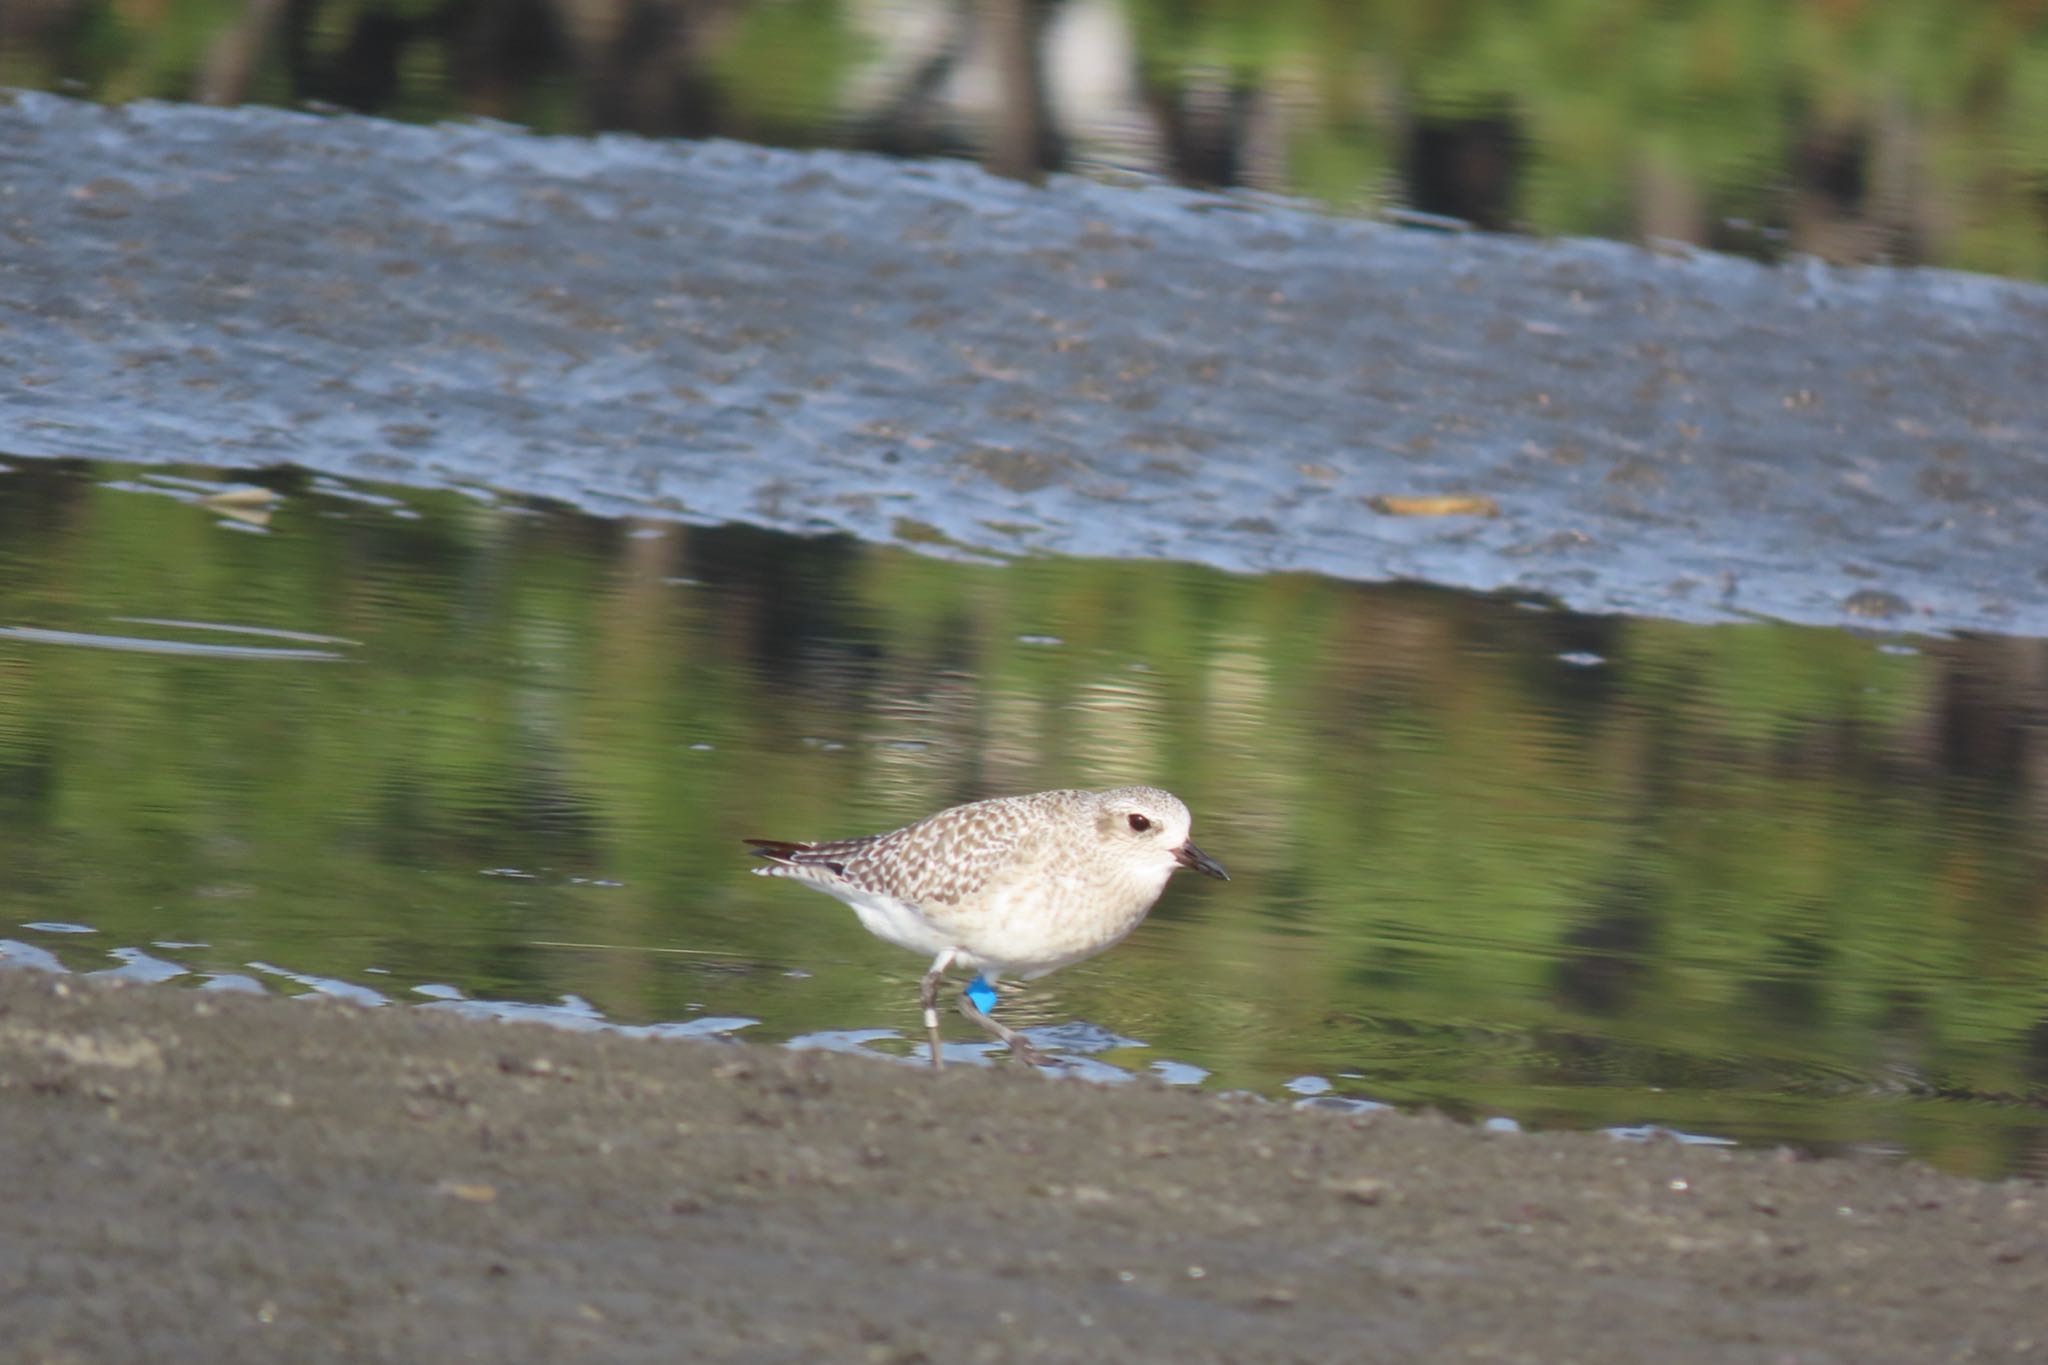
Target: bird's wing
(945,858)
(938,861)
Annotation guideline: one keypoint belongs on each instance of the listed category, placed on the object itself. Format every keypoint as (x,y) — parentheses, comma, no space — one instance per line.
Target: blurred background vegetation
(1902,131)
(1762,882)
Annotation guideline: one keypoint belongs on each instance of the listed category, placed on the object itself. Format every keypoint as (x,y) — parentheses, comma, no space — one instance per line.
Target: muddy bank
(206,1176)
(926,355)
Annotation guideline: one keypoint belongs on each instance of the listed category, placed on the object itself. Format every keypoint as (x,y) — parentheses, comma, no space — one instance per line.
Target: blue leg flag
(981,993)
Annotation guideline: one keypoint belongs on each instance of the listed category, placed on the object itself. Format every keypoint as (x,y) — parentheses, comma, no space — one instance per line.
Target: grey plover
(1016,886)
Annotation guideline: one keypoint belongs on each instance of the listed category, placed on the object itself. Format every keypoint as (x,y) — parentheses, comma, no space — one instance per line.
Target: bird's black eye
(1139,822)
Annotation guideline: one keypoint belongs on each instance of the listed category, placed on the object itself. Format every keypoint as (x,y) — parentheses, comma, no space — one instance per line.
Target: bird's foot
(1031,1056)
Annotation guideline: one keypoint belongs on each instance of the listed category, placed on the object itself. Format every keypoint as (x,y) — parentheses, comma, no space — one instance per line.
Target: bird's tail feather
(790,853)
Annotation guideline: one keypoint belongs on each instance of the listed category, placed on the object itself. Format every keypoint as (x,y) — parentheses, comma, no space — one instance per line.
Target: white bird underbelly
(1014,935)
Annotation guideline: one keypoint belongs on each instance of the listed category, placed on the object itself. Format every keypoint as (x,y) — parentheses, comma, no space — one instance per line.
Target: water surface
(268,730)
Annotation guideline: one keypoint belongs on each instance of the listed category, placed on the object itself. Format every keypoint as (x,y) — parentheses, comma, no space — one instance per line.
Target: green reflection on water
(1757,881)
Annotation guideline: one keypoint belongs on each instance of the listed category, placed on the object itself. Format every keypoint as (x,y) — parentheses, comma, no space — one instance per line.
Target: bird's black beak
(1187,855)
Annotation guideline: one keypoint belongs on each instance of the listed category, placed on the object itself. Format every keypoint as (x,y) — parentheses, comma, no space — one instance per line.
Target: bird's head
(1153,825)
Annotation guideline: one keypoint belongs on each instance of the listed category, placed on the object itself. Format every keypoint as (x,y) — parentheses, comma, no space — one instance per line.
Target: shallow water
(929,356)
(1755,882)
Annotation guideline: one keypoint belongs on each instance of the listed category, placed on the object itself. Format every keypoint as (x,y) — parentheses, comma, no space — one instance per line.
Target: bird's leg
(928,996)
(1020,1046)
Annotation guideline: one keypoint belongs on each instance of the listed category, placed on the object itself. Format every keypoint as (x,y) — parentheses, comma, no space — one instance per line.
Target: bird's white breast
(1030,926)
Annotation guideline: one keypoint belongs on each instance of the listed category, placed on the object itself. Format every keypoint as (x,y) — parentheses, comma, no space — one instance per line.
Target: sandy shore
(198,1176)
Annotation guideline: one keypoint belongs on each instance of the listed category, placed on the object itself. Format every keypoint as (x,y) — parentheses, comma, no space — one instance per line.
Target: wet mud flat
(210,1176)
(927,355)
